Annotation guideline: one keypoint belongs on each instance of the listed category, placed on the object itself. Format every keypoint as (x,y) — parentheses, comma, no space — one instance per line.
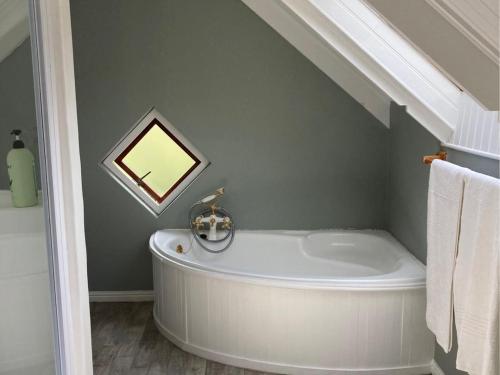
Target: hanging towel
(444,206)
(476,279)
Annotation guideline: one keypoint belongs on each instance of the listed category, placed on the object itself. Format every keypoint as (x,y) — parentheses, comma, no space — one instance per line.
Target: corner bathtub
(297,302)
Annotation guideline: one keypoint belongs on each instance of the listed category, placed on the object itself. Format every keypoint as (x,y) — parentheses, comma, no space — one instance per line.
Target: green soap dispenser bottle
(21,169)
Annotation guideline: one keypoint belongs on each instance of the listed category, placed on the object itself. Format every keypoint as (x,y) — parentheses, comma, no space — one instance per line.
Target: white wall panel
(477,129)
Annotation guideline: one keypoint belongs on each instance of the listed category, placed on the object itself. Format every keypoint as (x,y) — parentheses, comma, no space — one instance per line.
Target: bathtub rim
(295,283)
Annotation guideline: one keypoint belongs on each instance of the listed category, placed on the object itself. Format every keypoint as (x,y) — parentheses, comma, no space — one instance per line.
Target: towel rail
(441,155)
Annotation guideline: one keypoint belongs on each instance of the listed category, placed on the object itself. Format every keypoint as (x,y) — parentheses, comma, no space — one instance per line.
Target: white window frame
(109,165)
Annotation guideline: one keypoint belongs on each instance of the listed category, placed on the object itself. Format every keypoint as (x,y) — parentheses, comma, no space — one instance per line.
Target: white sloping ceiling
(460,36)
(357,49)
(476,20)
(14,26)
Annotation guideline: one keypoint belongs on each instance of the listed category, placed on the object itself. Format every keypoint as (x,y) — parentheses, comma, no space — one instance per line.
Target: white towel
(444,206)
(476,279)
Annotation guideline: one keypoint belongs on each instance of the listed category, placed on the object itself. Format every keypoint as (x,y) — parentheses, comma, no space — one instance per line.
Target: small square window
(154,162)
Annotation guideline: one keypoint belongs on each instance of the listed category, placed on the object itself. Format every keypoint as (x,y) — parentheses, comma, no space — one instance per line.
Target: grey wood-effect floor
(125,341)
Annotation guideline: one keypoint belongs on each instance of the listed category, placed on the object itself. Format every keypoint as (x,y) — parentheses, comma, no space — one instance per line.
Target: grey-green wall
(407,191)
(292,149)
(17,104)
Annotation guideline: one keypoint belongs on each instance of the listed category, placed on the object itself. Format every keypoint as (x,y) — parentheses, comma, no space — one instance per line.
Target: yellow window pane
(160,156)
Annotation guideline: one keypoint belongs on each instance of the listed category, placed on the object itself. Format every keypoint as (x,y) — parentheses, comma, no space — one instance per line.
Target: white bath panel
(170,303)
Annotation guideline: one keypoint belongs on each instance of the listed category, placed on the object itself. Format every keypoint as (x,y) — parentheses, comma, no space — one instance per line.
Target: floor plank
(125,341)
(196,366)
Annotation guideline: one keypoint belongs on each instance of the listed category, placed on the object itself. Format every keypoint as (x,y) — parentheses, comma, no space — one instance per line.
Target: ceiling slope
(460,36)
(14,28)
(477,21)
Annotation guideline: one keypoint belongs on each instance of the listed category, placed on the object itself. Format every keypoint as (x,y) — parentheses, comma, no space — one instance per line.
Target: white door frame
(52,51)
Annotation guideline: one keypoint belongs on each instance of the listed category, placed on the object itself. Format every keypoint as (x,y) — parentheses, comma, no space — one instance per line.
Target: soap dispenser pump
(21,169)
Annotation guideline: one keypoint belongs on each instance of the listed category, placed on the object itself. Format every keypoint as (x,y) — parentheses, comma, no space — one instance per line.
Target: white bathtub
(336,302)
(26,346)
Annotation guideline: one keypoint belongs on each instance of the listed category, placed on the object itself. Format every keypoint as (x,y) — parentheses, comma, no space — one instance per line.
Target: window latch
(140,182)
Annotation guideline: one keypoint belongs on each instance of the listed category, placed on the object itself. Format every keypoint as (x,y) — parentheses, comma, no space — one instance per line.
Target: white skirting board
(121,296)
(436,370)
